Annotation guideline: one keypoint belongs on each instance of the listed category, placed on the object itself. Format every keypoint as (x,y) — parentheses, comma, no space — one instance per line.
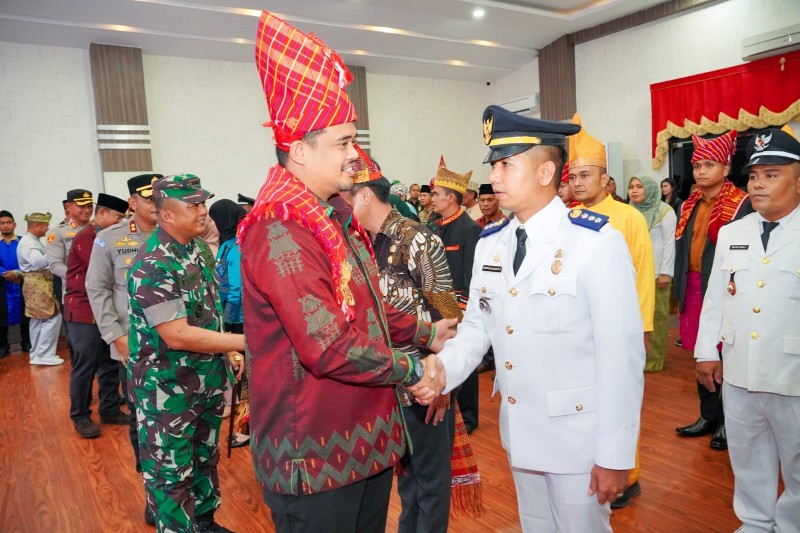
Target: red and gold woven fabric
(365,168)
(286,197)
(729,200)
(565,173)
(719,149)
(304,81)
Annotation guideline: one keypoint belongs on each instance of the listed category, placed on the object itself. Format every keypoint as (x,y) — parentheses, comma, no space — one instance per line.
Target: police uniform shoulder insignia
(51,237)
(587,219)
(494,227)
(100,242)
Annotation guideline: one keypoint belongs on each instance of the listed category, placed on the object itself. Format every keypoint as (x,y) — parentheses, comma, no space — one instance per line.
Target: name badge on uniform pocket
(492,268)
(740,246)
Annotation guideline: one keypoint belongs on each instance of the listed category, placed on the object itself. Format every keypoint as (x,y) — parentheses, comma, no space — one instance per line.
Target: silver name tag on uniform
(740,246)
(492,268)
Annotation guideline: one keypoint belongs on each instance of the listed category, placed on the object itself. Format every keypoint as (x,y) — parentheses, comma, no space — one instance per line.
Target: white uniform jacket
(752,305)
(567,338)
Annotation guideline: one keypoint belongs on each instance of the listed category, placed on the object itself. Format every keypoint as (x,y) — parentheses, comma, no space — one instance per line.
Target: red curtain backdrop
(755,95)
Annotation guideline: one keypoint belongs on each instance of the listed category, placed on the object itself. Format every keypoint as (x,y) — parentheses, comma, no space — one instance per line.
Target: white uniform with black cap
(569,372)
(752,307)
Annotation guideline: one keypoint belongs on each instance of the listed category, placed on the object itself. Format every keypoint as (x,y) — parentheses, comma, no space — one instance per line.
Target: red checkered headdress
(304,81)
(565,173)
(365,168)
(719,149)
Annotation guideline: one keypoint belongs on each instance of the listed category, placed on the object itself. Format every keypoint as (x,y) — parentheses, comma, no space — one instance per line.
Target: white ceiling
(428,38)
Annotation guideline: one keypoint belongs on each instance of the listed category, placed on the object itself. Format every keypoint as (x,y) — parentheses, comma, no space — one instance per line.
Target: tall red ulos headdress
(304,81)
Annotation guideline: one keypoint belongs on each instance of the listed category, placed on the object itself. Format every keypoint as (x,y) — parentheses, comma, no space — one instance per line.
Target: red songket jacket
(323,411)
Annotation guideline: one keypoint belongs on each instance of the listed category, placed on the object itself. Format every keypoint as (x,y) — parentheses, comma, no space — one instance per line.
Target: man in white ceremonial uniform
(752,306)
(554,293)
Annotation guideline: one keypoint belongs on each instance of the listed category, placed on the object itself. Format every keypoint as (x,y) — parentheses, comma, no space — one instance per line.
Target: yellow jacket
(628,221)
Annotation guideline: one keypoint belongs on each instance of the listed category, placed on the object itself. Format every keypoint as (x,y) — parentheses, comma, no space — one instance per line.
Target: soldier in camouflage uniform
(175,368)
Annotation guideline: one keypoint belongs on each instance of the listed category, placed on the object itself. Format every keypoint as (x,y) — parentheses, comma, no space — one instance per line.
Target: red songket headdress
(565,173)
(304,81)
(718,149)
(304,85)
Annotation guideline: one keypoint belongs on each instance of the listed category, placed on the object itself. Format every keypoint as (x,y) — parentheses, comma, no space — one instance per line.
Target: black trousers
(468,401)
(91,357)
(360,507)
(710,403)
(424,487)
(133,434)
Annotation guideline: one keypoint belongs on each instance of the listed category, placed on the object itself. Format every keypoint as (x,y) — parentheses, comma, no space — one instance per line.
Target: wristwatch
(419,371)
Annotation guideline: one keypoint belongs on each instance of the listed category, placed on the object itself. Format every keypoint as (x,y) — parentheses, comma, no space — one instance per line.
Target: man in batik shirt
(414,277)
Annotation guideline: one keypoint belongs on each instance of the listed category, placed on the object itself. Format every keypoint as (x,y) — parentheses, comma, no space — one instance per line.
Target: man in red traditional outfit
(325,423)
(715,202)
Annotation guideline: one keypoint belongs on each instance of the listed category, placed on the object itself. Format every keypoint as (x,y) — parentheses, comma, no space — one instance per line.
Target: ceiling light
(478,13)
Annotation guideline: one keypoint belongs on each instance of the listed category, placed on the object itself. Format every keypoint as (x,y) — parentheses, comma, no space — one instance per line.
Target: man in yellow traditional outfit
(588,179)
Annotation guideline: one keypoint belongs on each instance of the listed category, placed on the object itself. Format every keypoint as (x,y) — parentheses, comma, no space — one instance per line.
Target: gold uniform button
(761,284)
(756,309)
(765,260)
(579,407)
(509,330)
(512,400)
(722,338)
(551,292)
(754,335)
(483,290)
(513,292)
(509,366)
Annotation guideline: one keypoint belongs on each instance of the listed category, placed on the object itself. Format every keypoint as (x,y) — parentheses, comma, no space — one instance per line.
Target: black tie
(519,255)
(768,227)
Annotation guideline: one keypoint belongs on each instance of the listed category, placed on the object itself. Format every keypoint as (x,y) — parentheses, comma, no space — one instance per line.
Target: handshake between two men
(427,390)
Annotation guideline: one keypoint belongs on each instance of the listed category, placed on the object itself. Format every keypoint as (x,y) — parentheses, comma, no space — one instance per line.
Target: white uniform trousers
(557,503)
(44,336)
(764,434)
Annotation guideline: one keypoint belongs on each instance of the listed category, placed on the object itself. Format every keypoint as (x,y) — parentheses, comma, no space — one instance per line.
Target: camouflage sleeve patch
(165,312)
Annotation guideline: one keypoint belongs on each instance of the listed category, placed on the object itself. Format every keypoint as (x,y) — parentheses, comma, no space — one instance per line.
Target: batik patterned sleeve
(430,271)
(286,266)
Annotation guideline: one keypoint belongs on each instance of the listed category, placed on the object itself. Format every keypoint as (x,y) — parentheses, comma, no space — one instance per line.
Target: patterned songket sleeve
(294,279)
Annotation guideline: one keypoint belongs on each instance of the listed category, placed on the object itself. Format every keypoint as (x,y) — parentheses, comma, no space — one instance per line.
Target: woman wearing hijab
(645,196)
(226,214)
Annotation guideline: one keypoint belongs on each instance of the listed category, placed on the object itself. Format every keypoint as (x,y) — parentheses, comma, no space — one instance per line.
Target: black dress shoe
(87,429)
(720,439)
(625,498)
(679,343)
(26,347)
(699,428)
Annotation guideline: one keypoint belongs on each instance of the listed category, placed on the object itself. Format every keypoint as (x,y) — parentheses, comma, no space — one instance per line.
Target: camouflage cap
(38,217)
(183,187)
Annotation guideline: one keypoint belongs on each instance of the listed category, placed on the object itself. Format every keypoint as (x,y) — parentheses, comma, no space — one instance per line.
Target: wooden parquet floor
(51,480)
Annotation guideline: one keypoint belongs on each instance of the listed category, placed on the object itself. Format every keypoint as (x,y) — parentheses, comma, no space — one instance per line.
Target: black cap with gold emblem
(79,197)
(143,184)
(507,133)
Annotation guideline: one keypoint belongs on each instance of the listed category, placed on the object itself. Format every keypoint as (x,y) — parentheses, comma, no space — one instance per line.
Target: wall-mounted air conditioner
(526,105)
(771,43)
